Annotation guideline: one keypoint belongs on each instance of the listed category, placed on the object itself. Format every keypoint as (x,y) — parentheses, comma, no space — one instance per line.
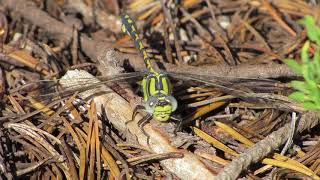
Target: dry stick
(166,34)
(167,42)
(204,35)
(172,25)
(242,70)
(260,150)
(219,33)
(74,47)
(277,18)
(106,21)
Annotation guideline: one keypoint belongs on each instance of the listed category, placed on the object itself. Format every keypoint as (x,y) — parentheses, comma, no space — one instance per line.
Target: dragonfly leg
(142,122)
(179,127)
(135,111)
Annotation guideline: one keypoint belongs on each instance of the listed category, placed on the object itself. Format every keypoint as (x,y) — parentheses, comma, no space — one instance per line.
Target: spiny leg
(142,122)
(180,125)
(137,109)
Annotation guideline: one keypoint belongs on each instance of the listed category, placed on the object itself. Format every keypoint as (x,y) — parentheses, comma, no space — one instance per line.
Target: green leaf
(318,39)
(313,89)
(316,61)
(306,72)
(310,105)
(296,67)
(312,31)
(308,91)
(298,96)
(304,52)
(300,86)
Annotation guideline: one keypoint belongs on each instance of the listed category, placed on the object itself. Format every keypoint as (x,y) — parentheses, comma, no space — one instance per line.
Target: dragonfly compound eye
(151,103)
(173,102)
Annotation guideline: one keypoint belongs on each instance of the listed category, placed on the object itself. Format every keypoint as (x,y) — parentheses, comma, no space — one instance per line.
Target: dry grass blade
(109,160)
(214,142)
(97,140)
(277,163)
(28,131)
(213,158)
(234,133)
(80,146)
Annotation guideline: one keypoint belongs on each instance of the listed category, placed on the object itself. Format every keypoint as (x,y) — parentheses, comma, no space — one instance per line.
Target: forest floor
(69,90)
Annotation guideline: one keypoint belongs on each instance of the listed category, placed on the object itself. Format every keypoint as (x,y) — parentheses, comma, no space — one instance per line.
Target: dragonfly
(156,86)
(159,102)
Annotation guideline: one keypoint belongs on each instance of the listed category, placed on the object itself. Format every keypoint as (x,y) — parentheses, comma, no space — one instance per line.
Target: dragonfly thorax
(156,84)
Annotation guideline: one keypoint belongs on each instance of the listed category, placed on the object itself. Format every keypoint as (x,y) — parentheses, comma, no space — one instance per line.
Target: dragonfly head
(161,107)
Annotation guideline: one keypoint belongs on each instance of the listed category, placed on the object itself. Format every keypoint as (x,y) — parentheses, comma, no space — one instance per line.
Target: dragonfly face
(161,106)
(157,94)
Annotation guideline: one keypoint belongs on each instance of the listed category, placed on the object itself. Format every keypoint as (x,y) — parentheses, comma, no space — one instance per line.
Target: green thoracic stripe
(156,84)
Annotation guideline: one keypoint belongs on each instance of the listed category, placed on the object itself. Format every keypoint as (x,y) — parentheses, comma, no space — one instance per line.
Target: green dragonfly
(156,86)
(159,102)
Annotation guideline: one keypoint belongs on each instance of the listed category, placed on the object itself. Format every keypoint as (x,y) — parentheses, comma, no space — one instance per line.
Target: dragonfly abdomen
(129,27)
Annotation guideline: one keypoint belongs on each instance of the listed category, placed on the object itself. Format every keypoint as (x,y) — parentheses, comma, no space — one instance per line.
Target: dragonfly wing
(223,85)
(82,84)
(247,94)
(52,88)
(234,84)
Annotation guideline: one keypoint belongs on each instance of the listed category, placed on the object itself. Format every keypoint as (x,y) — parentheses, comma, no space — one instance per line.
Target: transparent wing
(44,95)
(229,84)
(249,89)
(52,88)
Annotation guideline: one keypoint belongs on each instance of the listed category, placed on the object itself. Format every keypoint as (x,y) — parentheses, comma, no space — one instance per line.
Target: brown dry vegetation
(235,124)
